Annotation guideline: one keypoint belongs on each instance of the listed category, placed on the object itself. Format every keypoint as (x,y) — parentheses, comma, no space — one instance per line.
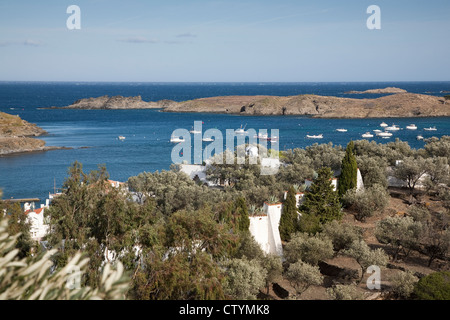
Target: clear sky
(229,41)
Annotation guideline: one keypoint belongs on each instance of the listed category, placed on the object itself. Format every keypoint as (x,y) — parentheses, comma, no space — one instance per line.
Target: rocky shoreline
(115,103)
(392,106)
(17,136)
(396,105)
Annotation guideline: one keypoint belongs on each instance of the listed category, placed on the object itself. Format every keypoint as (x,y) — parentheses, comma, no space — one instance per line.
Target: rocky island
(116,102)
(396,105)
(379,91)
(16,136)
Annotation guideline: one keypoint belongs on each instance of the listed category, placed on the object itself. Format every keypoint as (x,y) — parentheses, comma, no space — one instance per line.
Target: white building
(38,227)
(335,181)
(264,228)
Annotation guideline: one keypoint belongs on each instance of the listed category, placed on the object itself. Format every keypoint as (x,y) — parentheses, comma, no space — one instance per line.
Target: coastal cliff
(117,102)
(16,135)
(395,105)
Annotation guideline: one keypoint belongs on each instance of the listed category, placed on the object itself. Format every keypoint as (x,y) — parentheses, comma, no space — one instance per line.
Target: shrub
(435,286)
(403,284)
(344,292)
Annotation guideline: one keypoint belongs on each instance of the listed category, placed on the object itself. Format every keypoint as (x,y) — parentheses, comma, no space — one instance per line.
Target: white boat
(319,136)
(392,128)
(377,131)
(411,127)
(419,137)
(195,132)
(367,135)
(383,124)
(176,139)
(430,129)
(265,136)
(341,130)
(385,137)
(240,130)
(207,139)
(121,138)
(384,134)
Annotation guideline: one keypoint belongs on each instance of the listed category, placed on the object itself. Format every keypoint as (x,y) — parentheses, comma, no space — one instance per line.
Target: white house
(38,227)
(264,228)
(335,181)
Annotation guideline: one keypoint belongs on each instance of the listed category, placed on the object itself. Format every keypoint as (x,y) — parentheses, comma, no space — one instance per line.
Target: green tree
(274,268)
(411,170)
(244,278)
(302,275)
(18,224)
(289,216)
(244,220)
(435,286)
(400,233)
(341,234)
(321,204)
(349,168)
(308,248)
(365,203)
(361,252)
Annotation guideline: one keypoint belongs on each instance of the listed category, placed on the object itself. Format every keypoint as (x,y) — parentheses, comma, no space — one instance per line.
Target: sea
(91,136)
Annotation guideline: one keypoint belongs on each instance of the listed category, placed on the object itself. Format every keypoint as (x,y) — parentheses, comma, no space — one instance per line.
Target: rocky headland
(16,136)
(116,102)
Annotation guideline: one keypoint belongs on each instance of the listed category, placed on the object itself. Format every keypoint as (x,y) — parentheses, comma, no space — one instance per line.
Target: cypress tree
(244,220)
(288,219)
(349,170)
(321,204)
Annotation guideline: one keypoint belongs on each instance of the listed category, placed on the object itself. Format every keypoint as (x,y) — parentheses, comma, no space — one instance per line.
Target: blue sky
(242,41)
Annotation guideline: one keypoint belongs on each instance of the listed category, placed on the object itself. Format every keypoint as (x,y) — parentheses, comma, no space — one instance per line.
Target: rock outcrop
(15,135)
(396,105)
(117,102)
(379,91)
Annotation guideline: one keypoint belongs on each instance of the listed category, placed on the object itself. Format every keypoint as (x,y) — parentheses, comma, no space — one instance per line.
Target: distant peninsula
(379,91)
(16,136)
(116,102)
(396,105)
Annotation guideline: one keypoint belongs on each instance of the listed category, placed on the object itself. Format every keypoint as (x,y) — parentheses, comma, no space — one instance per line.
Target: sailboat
(240,130)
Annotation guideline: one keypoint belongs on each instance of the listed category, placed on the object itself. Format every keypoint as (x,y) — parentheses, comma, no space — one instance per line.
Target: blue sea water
(147,147)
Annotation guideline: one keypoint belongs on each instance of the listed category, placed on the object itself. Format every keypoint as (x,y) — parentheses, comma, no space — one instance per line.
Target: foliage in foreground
(34,278)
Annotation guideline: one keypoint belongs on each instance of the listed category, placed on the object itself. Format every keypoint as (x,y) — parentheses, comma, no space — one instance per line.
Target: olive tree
(366,202)
(302,275)
(361,252)
(308,248)
(400,233)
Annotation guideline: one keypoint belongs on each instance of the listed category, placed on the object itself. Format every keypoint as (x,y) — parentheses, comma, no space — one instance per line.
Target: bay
(147,132)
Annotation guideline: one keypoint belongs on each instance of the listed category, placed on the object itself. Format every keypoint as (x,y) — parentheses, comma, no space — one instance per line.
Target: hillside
(16,135)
